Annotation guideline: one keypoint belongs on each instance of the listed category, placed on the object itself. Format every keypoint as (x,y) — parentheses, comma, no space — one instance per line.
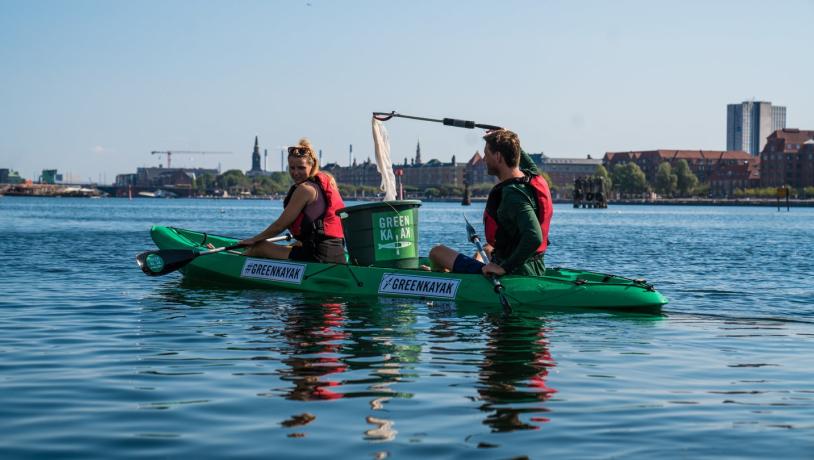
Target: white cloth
(383,162)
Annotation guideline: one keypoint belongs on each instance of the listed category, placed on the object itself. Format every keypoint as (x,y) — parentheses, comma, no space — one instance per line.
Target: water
(98,360)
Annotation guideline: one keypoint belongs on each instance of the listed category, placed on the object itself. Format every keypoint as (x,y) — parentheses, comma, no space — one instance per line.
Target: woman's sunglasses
(298,152)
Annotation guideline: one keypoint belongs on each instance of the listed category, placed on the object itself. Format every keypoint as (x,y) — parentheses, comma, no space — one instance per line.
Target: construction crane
(192,152)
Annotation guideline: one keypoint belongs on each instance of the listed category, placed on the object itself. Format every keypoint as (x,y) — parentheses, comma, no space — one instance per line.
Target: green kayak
(560,288)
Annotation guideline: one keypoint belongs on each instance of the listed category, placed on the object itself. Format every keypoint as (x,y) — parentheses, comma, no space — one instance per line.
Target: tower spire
(256,156)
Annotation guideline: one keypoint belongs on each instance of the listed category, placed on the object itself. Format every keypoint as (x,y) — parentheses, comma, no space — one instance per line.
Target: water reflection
(313,335)
(512,378)
(338,349)
(361,350)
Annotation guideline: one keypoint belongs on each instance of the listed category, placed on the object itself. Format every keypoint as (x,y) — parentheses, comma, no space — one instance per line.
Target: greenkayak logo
(155,263)
(265,269)
(422,286)
(394,235)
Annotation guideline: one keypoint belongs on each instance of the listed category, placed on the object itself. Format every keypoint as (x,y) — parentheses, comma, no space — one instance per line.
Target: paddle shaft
(486,259)
(285,237)
(446,121)
(473,237)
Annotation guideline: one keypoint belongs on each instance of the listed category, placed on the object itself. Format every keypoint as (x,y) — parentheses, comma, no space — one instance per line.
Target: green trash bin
(382,234)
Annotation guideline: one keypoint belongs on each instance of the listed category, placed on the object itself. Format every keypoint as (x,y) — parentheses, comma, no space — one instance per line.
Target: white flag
(383,163)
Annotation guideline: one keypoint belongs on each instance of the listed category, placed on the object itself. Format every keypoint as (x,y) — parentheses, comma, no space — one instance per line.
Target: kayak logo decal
(155,263)
(265,269)
(424,286)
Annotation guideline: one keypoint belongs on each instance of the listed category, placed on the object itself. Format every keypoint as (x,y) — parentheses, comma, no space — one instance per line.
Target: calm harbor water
(98,360)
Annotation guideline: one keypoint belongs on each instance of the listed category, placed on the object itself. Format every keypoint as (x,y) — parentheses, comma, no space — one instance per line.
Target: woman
(309,214)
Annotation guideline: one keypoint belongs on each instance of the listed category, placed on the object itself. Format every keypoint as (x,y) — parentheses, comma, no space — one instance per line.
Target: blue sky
(91,87)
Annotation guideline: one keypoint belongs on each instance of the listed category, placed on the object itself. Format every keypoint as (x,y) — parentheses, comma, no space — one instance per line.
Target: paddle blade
(504,302)
(161,262)
(470,230)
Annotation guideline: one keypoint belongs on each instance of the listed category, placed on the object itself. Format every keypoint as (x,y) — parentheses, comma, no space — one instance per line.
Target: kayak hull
(560,288)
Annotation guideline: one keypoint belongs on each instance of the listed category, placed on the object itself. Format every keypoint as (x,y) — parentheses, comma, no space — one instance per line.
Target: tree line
(676,182)
(629,180)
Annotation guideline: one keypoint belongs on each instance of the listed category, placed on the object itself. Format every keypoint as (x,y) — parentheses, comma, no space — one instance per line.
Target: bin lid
(380,204)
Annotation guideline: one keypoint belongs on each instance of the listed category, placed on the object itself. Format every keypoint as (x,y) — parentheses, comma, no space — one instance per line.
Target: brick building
(362,174)
(788,159)
(563,171)
(705,164)
(475,171)
(729,177)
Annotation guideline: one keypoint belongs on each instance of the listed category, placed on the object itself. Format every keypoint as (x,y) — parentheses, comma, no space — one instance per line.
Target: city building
(475,171)
(414,172)
(433,173)
(749,123)
(788,159)
(563,171)
(363,174)
(50,176)
(8,176)
(177,180)
(730,176)
(705,164)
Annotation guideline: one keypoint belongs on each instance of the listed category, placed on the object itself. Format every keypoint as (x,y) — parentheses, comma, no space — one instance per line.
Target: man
(517,216)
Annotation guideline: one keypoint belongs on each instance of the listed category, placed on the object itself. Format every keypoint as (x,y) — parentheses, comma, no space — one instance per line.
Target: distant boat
(157,194)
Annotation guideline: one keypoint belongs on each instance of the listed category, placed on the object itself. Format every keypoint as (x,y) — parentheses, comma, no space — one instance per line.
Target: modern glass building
(749,123)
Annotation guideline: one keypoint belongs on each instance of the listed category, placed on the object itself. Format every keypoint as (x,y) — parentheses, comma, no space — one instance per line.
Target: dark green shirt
(517,215)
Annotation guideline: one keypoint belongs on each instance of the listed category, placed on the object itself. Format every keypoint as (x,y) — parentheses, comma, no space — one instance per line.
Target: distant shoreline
(794,203)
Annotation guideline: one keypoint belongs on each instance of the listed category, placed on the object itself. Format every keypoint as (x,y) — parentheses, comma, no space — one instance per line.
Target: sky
(92,87)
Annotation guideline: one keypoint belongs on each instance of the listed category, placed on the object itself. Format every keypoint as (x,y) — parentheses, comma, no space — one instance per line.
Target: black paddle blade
(470,230)
(163,261)
(507,307)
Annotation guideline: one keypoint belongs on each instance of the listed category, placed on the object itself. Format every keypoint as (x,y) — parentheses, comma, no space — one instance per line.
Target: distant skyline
(92,87)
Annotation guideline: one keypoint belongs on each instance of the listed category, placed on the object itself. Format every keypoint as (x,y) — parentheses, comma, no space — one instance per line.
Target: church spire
(418,153)
(256,156)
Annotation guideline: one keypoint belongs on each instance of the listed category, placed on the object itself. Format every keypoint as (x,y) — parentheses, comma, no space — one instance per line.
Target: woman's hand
(249,241)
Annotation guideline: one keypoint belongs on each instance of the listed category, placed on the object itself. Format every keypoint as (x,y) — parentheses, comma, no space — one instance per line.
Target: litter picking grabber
(384,116)
(163,261)
(473,237)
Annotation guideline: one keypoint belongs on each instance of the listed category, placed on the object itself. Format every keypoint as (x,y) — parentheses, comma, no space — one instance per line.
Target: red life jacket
(327,225)
(545,209)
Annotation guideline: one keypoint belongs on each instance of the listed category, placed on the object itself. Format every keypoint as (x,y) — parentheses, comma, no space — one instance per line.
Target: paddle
(384,116)
(163,261)
(473,237)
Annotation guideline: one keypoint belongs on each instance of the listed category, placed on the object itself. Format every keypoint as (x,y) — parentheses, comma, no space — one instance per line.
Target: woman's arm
(303,195)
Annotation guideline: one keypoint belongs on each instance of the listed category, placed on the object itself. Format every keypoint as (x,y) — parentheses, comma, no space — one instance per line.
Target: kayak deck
(560,288)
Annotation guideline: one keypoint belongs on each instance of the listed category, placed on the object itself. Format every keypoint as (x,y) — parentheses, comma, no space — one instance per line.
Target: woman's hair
(505,142)
(304,149)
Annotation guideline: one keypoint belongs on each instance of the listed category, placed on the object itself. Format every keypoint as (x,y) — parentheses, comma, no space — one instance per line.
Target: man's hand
(487,248)
(493,269)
